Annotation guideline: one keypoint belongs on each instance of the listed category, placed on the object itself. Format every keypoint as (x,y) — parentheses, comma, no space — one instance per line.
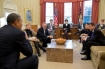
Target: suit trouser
(83,45)
(37,46)
(28,63)
(25,63)
(65,34)
(89,44)
(45,41)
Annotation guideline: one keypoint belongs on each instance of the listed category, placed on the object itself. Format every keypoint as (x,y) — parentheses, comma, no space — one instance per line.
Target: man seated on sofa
(31,37)
(97,38)
(85,33)
(101,25)
(12,42)
(43,35)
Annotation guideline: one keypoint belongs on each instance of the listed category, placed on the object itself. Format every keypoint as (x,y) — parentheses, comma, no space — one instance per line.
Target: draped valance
(42,1)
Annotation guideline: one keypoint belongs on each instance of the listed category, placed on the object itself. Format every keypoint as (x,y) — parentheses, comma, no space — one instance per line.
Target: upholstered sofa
(98,56)
(33,47)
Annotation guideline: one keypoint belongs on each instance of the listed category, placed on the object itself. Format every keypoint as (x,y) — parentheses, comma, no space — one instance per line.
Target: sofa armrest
(101,55)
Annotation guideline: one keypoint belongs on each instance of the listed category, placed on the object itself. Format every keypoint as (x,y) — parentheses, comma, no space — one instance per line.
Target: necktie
(44,32)
(92,35)
(50,26)
(81,26)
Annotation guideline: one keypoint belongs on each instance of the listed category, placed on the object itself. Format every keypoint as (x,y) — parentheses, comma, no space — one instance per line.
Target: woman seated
(31,37)
(66,29)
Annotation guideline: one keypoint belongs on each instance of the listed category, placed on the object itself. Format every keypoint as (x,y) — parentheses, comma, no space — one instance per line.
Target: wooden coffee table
(60,53)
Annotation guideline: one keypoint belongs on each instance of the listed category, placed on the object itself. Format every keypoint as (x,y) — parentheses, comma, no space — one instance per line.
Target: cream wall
(22,4)
(101,10)
(1,8)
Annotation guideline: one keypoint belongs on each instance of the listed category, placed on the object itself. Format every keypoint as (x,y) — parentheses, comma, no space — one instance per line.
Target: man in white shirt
(81,26)
(43,35)
(50,27)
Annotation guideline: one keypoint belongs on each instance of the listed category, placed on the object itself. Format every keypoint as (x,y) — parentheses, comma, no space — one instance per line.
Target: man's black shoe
(83,53)
(86,58)
(44,50)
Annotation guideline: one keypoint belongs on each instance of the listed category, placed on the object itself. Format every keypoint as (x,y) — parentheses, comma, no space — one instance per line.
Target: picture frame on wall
(28,16)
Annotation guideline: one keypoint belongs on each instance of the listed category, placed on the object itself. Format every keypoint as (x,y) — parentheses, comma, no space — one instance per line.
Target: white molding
(9,6)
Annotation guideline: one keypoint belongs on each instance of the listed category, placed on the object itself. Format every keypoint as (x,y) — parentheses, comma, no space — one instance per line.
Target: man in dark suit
(85,30)
(85,33)
(101,25)
(50,27)
(66,29)
(97,38)
(43,35)
(12,42)
(81,26)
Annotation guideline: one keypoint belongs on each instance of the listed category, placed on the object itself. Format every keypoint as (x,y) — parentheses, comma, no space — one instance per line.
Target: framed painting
(28,16)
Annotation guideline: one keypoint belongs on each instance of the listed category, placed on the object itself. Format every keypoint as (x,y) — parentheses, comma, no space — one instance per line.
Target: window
(87,11)
(8,7)
(6,14)
(3,22)
(49,12)
(68,12)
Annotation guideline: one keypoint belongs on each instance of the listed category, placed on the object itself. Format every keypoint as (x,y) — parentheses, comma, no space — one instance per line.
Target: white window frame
(51,16)
(68,10)
(90,5)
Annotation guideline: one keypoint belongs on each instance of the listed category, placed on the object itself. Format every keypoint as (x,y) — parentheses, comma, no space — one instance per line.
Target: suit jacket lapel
(43,31)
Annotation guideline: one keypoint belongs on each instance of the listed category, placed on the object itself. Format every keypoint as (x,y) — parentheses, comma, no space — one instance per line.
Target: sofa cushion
(96,49)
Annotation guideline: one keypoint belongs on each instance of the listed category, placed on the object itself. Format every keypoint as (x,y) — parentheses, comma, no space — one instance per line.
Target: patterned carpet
(75,43)
(77,62)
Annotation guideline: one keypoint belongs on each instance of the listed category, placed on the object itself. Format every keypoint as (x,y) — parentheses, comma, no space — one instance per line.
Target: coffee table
(60,53)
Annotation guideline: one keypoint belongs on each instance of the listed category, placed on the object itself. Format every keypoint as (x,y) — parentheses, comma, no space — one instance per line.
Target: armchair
(98,56)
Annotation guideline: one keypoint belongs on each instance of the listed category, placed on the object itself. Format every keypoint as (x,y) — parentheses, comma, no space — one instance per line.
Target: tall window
(87,11)
(68,12)
(49,12)
(3,20)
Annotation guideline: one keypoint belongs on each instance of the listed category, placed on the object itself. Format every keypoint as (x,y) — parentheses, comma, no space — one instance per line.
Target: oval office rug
(75,43)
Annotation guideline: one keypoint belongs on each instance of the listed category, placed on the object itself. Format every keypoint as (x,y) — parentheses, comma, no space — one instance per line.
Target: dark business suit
(80,28)
(97,38)
(51,27)
(13,41)
(43,36)
(66,30)
(67,27)
(99,27)
(88,32)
